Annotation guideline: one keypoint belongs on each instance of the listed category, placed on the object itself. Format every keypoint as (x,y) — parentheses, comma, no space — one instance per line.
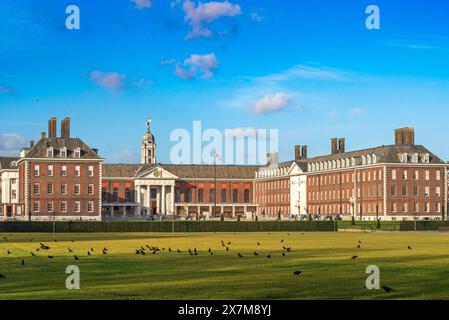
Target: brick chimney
(304,152)
(52,128)
(65,128)
(297,152)
(341,145)
(404,135)
(334,147)
(43,135)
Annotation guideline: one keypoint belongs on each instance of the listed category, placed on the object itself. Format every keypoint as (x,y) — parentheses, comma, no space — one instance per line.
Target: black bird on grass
(190,252)
(269,256)
(76,258)
(358,247)
(88,253)
(105,249)
(31,240)
(33,254)
(5,239)
(239,255)
(2,276)
(56,240)
(354,257)
(297,273)
(387,289)
(105,252)
(283,254)
(282,240)
(154,251)
(37,249)
(211,253)
(209,250)
(137,251)
(227,248)
(194,250)
(50,257)
(258,243)
(255,253)
(169,249)
(410,248)
(23,262)
(179,251)
(9,252)
(360,242)
(92,249)
(70,250)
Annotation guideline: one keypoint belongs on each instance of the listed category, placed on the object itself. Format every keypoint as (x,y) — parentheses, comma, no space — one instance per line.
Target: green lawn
(328,272)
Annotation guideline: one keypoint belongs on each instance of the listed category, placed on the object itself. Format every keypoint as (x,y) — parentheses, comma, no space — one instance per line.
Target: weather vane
(148,123)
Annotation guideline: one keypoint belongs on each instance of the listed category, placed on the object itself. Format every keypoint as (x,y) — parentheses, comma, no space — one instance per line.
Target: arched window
(115,195)
(127,195)
(212,195)
(235,196)
(189,195)
(103,195)
(246,196)
(200,195)
(223,195)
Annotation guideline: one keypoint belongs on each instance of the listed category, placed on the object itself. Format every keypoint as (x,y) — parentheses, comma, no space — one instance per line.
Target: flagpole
(215,187)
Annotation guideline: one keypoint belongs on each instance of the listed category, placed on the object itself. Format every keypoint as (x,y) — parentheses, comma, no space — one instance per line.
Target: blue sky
(308,68)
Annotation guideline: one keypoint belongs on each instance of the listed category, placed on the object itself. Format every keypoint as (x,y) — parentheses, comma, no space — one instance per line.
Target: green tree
(352,221)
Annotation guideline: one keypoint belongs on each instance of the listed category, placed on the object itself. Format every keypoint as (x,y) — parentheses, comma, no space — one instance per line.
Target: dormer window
(414,158)
(63,152)
(374,159)
(50,153)
(77,153)
(425,158)
(403,157)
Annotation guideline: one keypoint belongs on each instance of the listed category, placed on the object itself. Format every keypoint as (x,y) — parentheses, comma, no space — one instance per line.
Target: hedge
(167,226)
(423,225)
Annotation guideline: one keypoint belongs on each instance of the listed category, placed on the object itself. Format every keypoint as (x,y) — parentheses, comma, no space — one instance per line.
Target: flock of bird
(149,249)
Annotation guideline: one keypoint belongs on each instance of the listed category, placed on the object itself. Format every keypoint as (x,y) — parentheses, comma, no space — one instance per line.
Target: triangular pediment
(294,169)
(155,172)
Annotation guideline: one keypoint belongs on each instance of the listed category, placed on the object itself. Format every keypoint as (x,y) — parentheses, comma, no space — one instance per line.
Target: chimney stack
(404,135)
(43,135)
(297,152)
(52,128)
(304,152)
(65,128)
(31,144)
(341,145)
(334,145)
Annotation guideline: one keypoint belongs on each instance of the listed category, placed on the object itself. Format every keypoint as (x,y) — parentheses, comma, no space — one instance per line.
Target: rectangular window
(90,206)
(64,171)
(426,191)
(393,174)
(438,208)
(90,189)
(36,188)
(427,207)
(77,171)
(50,153)
(438,175)
(77,189)
(393,207)
(438,191)
(404,191)
(50,171)
(415,191)
(63,153)
(50,207)
(77,207)
(416,175)
(415,207)
(36,206)
(64,206)
(405,175)
(36,170)
(427,175)
(91,171)
(404,207)
(393,191)
(63,189)
(50,188)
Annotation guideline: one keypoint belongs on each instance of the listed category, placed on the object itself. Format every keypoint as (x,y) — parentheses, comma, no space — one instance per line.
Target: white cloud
(256,17)
(357,112)
(310,73)
(114,81)
(108,80)
(143,4)
(197,65)
(272,103)
(204,13)
(11,142)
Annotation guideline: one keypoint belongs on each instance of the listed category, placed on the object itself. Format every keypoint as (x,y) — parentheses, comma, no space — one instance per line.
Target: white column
(163,202)
(172,193)
(138,208)
(147,199)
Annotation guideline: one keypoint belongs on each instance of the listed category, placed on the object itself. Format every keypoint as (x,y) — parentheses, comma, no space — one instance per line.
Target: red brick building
(59,178)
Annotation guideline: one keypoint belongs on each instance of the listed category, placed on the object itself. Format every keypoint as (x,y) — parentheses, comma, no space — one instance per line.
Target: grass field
(328,272)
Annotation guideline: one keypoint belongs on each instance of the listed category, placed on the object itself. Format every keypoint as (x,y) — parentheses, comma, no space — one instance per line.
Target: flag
(217,155)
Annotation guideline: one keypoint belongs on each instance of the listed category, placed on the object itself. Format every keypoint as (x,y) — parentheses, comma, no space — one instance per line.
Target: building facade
(62,178)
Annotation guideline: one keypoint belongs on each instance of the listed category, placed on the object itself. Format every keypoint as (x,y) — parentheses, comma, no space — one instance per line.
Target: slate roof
(384,154)
(120,170)
(8,163)
(40,149)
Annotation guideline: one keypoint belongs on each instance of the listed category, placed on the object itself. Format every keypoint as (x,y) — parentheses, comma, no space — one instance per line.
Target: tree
(222,217)
(378,224)
(279,215)
(238,218)
(352,221)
